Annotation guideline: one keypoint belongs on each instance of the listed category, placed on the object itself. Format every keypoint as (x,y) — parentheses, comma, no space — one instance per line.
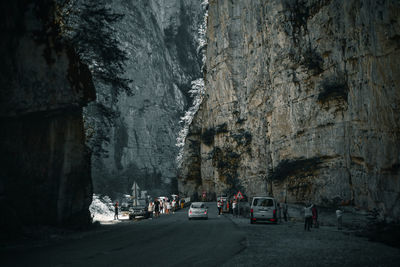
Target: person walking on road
(116,211)
(168,206)
(150,210)
(219,206)
(279,213)
(173,206)
(162,210)
(234,208)
(339,215)
(315,216)
(285,211)
(156,208)
(308,217)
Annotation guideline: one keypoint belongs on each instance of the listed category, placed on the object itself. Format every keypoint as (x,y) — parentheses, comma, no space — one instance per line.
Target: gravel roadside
(287,244)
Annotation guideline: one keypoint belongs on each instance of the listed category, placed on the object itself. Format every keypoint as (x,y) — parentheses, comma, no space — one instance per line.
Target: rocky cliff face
(302,102)
(45,170)
(160,38)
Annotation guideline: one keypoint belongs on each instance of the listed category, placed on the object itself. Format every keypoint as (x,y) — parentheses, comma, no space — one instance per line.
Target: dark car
(139,210)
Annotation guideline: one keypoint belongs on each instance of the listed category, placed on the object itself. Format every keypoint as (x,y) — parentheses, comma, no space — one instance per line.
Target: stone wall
(45,167)
(302,102)
(160,38)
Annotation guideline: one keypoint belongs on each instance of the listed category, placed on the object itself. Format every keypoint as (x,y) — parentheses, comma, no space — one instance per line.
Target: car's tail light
(205,212)
(190,211)
(274,212)
(251,211)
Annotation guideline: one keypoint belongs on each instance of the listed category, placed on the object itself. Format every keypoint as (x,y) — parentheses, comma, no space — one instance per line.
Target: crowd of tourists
(163,206)
(166,206)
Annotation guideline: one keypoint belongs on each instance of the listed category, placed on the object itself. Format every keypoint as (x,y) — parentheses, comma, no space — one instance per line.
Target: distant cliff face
(302,102)
(45,169)
(160,38)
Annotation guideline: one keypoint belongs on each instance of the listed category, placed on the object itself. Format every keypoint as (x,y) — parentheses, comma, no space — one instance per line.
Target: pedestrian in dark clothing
(285,211)
(156,208)
(339,215)
(315,216)
(116,211)
(279,217)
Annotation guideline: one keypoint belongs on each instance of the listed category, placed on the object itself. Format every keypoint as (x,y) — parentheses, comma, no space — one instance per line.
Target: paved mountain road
(171,240)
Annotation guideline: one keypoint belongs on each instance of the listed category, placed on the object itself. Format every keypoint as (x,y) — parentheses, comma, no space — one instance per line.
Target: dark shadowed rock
(44,167)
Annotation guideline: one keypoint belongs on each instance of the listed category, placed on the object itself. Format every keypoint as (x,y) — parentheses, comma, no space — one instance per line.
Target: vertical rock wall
(45,168)
(302,102)
(160,38)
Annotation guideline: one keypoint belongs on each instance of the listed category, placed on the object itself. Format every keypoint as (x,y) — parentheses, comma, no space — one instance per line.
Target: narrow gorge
(296,99)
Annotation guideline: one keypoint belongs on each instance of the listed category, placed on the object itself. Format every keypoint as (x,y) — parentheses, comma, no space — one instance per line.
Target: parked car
(263,209)
(138,210)
(124,209)
(198,210)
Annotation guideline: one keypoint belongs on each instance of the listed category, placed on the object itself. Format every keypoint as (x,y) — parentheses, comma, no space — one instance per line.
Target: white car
(198,210)
(263,209)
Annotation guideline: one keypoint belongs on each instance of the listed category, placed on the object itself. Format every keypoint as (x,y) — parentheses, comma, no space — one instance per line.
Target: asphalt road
(171,240)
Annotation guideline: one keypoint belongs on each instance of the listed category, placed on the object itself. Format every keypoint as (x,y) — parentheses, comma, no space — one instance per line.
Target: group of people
(282,211)
(159,206)
(310,211)
(311,217)
(231,207)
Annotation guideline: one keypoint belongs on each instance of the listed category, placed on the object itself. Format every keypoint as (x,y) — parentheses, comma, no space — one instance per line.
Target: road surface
(173,240)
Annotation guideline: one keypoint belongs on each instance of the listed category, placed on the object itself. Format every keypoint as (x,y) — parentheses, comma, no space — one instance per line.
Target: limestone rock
(302,102)
(160,37)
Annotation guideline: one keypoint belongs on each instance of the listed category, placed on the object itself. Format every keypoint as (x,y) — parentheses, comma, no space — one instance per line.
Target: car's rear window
(263,202)
(198,206)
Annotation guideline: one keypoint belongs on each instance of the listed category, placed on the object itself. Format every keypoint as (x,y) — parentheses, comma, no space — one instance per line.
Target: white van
(263,209)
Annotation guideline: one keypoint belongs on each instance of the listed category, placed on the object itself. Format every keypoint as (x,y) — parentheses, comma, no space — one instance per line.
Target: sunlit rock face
(160,37)
(302,102)
(45,169)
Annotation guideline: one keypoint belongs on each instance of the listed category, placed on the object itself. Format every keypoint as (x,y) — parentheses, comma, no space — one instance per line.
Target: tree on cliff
(88,26)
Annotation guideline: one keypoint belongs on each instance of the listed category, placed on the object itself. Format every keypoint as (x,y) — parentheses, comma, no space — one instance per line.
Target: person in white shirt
(308,217)
(339,215)
(219,205)
(173,206)
(234,208)
(168,207)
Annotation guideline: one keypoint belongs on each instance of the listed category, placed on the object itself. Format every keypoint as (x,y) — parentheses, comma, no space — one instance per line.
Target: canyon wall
(45,168)
(161,41)
(302,102)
